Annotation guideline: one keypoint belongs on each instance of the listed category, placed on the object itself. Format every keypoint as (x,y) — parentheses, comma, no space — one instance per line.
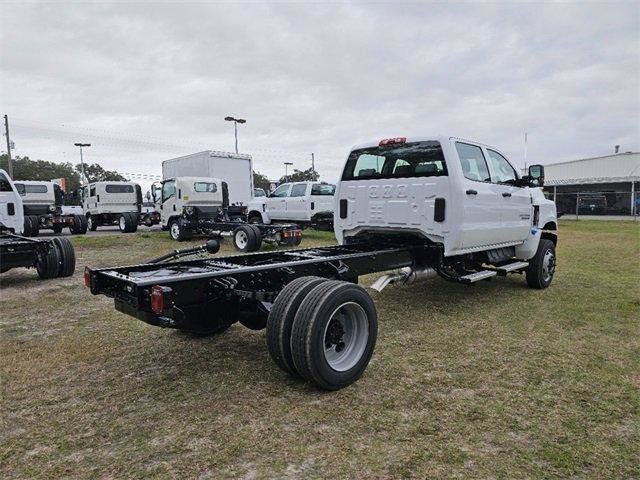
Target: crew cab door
(481,222)
(11,210)
(321,197)
(276,204)
(298,207)
(516,209)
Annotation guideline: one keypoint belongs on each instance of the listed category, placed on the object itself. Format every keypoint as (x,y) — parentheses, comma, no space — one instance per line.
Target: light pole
(235,121)
(81,159)
(286,170)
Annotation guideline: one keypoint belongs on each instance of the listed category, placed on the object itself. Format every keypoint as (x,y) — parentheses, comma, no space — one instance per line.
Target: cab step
(477,276)
(511,267)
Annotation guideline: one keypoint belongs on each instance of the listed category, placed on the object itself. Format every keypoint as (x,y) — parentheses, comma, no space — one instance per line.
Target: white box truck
(234,169)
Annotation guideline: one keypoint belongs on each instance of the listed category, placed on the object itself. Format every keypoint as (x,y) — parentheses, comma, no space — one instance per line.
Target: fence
(596,203)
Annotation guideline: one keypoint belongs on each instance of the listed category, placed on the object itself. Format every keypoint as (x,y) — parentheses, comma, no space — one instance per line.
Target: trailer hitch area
(212,247)
(403,276)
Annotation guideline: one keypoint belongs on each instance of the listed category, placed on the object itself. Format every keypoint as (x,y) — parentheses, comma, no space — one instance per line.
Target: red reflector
(392,141)
(157,299)
(87,277)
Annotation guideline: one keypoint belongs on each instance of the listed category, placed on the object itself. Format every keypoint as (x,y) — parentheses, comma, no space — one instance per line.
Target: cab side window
(474,165)
(503,172)
(92,191)
(281,191)
(168,190)
(298,190)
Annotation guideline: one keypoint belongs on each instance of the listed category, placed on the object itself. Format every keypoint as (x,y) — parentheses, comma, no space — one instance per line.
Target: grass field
(495,380)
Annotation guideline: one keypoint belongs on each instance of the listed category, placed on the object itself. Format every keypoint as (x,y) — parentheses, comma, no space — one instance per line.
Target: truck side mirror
(536,175)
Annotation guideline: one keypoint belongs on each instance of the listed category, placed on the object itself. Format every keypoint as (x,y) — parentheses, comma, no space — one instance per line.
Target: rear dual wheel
(79,225)
(58,261)
(323,331)
(31,226)
(128,222)
(247,238)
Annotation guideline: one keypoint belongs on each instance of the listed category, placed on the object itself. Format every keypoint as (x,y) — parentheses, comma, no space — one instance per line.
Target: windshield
(417,159)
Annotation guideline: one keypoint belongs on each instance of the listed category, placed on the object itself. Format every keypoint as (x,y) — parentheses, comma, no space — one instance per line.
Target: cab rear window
(205,187)
(119,189)
(24,189)
(323,189)
(416,159)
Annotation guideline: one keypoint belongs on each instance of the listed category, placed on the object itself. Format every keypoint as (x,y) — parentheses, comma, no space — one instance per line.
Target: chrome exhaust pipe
(405,276)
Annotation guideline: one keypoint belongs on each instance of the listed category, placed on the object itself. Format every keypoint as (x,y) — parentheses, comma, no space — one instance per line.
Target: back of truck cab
(113,197)
(396,184)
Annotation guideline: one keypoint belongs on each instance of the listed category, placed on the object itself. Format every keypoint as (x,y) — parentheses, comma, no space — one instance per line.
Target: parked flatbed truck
(424,207)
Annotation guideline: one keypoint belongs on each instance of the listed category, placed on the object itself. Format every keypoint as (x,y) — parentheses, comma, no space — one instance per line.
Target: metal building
(596,186)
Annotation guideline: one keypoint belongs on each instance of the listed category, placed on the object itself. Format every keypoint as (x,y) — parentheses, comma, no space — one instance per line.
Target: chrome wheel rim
(175,231)
(548,265)
(241,239)
(123,224)
(345,336)
(89,223)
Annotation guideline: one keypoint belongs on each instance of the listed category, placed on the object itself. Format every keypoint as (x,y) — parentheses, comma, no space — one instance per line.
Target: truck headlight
(52,208)
(189,210)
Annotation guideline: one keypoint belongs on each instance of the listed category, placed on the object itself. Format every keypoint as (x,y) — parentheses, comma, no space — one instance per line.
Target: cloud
(146,82)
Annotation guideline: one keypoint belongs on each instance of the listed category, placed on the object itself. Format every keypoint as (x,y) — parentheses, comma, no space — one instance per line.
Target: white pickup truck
(305,203)
(419,207)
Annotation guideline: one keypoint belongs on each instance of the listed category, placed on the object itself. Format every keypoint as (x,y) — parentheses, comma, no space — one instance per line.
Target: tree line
(26,169)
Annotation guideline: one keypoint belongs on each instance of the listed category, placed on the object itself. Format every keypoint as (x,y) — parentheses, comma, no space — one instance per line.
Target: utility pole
(82,159)
(6,132)
(235,121)
(313,164)
(525,153)
(286,170)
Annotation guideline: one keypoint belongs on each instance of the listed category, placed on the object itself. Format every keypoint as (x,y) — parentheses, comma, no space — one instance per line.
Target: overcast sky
(144,82)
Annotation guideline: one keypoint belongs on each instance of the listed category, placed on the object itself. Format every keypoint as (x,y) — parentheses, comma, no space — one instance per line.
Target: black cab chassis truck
(424,207)
(200,205)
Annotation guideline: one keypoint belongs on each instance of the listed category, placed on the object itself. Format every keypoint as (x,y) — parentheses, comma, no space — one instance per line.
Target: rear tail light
(87,277)
(157,299)
(392,141)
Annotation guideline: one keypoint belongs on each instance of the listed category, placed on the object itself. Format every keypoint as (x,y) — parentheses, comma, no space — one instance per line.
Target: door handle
(471,192)
(506,194)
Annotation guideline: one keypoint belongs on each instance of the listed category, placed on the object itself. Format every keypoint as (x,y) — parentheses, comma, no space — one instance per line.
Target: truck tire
(542,266)
(35,225)
(334,333)
(49,264)
(57,229)
(79,225)
(134,222)
(244,238)
(281,318)
(258,235)
(92,224)
(67,257)
(124,223)
(178,232)
(26,231)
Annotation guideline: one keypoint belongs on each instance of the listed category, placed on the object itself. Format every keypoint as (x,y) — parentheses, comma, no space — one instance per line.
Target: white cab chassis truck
(51,258)
(236,170)
(43,205)
(112,203)
(416,207)
(306,203)
(200,205)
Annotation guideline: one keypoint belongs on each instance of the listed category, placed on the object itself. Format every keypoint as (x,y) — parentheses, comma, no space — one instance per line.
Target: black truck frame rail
(205,294)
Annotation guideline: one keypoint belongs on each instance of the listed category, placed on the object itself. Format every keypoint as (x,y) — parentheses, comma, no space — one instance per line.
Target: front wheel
(92,224)
(543,265)
(178,232)
(245,239)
